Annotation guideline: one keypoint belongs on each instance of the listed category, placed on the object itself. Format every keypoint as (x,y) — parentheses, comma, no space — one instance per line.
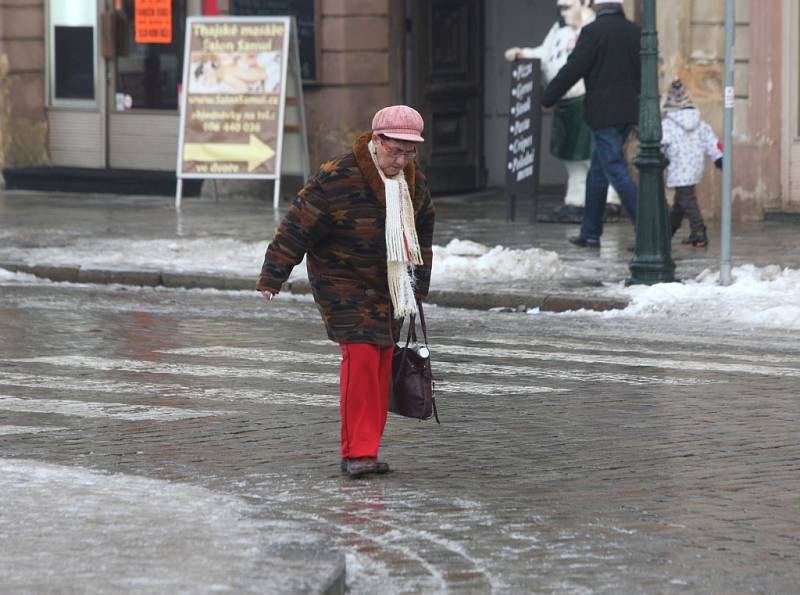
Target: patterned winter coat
(686,140)
(338,222)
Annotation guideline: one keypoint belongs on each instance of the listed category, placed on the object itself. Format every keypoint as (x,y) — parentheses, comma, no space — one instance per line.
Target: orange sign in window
(153,21)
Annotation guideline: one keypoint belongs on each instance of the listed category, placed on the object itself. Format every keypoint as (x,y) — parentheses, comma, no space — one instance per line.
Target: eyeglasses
(396,153)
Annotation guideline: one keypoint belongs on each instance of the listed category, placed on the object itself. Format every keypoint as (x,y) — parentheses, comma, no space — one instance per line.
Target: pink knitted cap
(400,122)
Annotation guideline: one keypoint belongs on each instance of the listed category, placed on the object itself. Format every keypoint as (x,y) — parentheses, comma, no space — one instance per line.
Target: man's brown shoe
(364,465)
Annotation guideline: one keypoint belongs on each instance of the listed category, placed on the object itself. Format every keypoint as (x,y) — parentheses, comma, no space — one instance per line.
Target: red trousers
(364,397)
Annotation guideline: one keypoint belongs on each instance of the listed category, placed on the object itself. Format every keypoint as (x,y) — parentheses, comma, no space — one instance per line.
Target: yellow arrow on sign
(255,152)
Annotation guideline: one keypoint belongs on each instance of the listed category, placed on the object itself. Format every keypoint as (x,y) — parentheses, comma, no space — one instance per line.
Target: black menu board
(524,132)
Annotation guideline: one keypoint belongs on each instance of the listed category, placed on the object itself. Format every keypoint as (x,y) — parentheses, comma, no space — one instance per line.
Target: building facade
(77,90)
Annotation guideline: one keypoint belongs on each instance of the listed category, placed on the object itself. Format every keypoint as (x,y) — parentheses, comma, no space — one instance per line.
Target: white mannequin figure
(553,53)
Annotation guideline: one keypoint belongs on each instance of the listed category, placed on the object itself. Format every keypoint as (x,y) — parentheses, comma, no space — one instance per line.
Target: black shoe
(696,241)
(584,242)
(362,466)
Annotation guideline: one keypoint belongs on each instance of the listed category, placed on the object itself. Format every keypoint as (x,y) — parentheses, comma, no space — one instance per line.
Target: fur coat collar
(367,167)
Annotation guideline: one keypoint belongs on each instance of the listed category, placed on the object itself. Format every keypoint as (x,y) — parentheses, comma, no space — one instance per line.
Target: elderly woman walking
(364,222)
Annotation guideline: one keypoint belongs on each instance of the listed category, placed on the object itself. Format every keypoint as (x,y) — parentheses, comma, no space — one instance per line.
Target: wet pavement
(32,220)
(187,441)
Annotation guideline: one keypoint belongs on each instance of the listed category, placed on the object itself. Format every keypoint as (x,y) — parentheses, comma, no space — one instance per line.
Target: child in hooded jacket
(686,140)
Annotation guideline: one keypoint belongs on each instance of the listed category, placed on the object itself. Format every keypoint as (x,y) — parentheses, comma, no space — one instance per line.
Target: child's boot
(697,238)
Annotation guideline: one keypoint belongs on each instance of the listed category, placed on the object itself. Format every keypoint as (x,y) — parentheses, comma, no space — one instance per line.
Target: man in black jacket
(606,57)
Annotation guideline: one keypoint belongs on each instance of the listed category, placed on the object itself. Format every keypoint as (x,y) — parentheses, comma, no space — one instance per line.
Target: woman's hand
(267,293)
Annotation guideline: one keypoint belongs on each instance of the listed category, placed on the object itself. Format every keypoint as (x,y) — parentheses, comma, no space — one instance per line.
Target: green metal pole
(652,262)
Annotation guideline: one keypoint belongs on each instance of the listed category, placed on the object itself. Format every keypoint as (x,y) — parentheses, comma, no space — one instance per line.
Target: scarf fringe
(402,244)
(401,288)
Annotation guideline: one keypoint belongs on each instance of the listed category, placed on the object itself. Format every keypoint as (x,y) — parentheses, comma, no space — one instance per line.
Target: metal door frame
(70,118)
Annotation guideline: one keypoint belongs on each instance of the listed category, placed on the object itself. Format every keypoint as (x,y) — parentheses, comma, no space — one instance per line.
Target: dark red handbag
(412,379)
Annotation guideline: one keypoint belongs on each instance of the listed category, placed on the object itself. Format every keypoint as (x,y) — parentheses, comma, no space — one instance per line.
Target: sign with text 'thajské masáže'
(233,97)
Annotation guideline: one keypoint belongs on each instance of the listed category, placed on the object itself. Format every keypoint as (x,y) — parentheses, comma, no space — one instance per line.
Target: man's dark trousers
(608,166)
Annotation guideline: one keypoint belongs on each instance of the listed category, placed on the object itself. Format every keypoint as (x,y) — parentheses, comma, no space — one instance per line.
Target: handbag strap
(422,323)
(412,326)
(412,332)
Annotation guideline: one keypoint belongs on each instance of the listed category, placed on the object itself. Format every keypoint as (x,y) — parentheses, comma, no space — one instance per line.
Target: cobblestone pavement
(165,430)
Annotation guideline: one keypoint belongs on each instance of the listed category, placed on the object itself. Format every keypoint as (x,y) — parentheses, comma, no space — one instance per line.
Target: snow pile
(759,296)
(7,276)
(463,260)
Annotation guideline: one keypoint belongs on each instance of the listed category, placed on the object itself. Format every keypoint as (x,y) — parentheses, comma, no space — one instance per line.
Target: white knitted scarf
(402,245)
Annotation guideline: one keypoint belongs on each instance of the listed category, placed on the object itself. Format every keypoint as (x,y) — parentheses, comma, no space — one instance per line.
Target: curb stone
(67,274)
(205,281)
(483,301)
(453,299)
(566,303)
(101,276)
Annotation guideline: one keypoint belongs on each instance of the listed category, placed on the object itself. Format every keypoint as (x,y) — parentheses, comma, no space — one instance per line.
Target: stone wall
(23,124)
(354,72)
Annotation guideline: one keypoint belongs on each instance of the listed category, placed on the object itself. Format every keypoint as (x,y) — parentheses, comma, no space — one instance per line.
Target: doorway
(144,77)
(446,72)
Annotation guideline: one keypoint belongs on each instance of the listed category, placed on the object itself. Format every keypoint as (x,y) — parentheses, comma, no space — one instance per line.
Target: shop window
(74,62)
(71,43)
(147,75)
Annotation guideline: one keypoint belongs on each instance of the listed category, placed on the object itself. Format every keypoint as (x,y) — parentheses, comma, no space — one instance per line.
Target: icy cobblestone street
(159,440)
(72,529)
